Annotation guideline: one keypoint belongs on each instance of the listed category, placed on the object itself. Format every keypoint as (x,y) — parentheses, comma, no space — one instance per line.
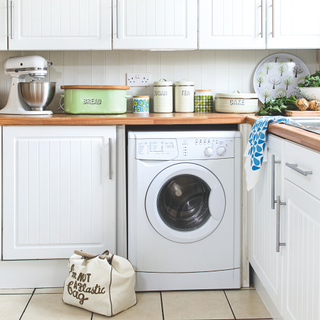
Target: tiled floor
(40,304)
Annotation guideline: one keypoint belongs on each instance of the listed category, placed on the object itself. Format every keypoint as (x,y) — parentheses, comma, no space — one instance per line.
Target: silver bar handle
(117,16)
(11,19)
(295,167)
(272,18)
(273,178)
(261,17)
(278,243)
(110,160)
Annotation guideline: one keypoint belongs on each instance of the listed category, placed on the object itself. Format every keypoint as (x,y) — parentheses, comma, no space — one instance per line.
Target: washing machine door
(185,202)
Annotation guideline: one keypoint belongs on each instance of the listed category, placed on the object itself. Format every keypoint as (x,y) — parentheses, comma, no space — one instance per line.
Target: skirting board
(33,273)
(265,298)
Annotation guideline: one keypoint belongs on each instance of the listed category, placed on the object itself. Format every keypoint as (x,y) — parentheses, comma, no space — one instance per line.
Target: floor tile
(148,307)
(48,290)
(12,306)
(246,304)
(16,291)
(51,307)
(178,305)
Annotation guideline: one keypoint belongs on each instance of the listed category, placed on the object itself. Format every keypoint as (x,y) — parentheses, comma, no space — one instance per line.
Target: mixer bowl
(37,95)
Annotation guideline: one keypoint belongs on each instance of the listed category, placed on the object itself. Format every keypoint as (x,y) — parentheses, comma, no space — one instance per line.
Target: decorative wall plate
(278,75)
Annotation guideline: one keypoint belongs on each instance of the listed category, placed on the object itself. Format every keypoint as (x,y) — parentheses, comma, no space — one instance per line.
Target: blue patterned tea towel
(255,150)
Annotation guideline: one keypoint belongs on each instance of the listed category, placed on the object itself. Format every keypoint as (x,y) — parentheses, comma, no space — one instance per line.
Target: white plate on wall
(278,75)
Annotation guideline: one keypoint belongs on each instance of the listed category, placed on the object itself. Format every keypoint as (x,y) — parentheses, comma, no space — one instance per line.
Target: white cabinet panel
(155,24)
(3,25)
(60,25)
(302,267)
(227,24)
(59,194)
(285,29)
(263,256)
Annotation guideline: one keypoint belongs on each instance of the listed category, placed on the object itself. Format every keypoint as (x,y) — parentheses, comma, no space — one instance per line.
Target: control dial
(221,151)
(208,151)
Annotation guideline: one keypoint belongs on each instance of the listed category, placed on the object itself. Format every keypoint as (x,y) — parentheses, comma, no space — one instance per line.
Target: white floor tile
(12,306)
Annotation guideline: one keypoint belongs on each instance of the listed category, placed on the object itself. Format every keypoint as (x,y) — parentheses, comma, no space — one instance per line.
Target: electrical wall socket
(138,79)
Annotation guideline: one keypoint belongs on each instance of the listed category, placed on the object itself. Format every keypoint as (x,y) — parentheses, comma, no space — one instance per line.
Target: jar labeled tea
(184,96)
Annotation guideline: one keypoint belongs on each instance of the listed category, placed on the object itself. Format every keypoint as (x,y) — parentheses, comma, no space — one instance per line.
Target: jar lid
(203,90)
(162,82)
(141,97)
(184,82)
(237,95)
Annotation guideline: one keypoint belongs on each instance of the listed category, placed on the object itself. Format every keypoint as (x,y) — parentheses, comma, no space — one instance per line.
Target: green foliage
(278,106)
(311,80)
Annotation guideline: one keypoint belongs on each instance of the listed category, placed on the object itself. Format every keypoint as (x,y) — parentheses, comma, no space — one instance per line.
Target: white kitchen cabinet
(59,191)
(290,26)
(3,25)
(265,260)
(155,24)
(59,25)
(301,255)
(231,24)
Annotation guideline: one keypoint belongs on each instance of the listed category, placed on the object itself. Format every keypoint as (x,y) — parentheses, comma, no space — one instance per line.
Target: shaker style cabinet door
(59,191)
(266,262)
(3,25)
(228,24)
(289,24)
(59,25)
(302,267)
(155,24)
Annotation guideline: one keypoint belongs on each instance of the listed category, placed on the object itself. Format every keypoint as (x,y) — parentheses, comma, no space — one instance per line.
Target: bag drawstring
(88,256)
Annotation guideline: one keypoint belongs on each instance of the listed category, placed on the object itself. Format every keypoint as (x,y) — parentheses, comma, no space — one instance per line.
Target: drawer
(305,167)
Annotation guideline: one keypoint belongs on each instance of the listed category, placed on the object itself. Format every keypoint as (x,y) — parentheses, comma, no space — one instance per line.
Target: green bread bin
(94,99)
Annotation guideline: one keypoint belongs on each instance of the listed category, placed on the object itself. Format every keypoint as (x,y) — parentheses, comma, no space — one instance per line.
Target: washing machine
(184,209)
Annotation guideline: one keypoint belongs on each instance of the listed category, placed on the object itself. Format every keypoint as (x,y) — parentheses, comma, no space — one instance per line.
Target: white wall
(221,71)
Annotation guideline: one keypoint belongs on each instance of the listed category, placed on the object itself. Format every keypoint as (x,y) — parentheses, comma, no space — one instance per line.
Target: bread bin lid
(237,95)
(95,87)
(184,82)
(163,82)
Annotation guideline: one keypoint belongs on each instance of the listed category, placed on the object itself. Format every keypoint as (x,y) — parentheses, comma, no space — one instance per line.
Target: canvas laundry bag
(102,284)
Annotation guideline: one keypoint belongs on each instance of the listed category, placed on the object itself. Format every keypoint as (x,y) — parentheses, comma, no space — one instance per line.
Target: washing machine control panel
(184,148)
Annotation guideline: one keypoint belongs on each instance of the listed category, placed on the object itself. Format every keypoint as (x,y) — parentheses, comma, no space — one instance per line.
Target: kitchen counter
(300,136)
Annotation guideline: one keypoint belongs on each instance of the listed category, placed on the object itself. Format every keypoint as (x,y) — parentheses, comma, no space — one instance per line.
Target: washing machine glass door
(185,202)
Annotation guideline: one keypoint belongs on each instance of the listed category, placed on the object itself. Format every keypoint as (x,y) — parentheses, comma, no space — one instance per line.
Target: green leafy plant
(278,106)
(312,80)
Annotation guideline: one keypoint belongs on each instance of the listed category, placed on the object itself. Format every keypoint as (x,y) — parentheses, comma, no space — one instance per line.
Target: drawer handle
(278,243)
(273,178)
(294,167)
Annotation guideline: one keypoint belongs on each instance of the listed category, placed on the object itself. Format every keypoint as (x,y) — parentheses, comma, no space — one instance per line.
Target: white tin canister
(236,102)
(162,96)
(184,96)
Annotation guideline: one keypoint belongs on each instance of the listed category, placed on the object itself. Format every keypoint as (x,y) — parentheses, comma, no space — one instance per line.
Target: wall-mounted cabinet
(3,25)
(258,24)
(59,191)
(155,25)
(231,24)
(59,25)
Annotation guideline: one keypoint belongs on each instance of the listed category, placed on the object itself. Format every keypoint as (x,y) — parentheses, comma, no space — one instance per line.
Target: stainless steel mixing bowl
(37,95)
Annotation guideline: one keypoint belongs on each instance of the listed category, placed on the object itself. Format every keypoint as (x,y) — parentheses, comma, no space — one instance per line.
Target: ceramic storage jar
(184,96)
(203,101)
(162,96)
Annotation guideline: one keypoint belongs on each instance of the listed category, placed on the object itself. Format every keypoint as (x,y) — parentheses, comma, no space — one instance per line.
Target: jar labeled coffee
(184,96)
(162,96)
(203,101)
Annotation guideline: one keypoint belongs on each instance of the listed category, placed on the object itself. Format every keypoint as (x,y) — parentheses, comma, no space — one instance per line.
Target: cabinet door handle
(110,159)
(261,17)
(11,19)
(117,17)
(272,18)
(273,178)
(278,243)
(295,167)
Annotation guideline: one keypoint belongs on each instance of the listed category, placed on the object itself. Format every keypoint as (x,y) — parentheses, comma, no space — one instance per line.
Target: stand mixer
(28,98)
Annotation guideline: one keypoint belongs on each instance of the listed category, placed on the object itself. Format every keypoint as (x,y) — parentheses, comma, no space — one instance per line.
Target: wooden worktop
(300,136)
